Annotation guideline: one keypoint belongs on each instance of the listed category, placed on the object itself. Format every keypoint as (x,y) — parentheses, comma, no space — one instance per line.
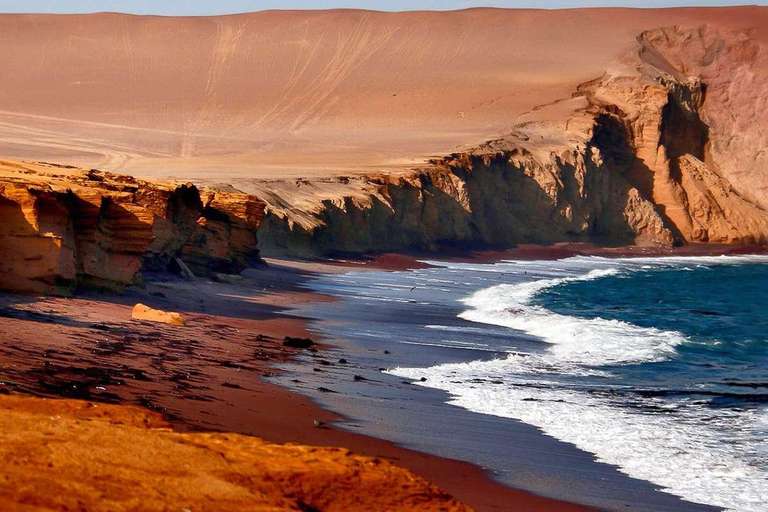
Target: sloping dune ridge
(378,131)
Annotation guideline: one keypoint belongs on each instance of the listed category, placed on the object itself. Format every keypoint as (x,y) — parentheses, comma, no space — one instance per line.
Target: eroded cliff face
(63,228)
(498,198)
(651,153)
(674,113)
(666,147)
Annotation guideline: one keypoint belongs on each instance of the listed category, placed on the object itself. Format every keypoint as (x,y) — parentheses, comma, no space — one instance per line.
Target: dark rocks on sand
(292,342)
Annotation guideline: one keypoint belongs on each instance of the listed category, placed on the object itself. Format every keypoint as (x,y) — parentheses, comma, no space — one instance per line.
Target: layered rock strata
(63,228)
(654,152)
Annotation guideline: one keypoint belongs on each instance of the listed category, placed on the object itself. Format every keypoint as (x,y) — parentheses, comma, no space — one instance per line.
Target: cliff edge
(667,147)
(64,227)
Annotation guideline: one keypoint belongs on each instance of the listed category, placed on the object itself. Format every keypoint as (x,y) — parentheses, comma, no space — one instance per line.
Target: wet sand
(208,376)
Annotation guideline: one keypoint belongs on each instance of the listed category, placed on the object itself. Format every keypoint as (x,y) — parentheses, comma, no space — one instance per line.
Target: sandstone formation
(143,312)
(83,456)
(366,131)
(650,153)
(64,227)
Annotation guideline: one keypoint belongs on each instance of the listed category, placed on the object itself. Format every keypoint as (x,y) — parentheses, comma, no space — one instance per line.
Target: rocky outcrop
(66,454)
(63,228)
(666,117)
(498,197)
(647,154)
(665,148)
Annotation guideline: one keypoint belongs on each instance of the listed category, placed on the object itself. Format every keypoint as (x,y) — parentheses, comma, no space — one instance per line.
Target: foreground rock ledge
(73,455)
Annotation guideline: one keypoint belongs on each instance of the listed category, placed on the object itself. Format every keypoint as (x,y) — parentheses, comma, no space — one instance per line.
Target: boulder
(142,312)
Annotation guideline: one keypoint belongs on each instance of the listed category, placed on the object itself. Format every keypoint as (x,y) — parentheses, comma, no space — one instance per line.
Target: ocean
(657,367)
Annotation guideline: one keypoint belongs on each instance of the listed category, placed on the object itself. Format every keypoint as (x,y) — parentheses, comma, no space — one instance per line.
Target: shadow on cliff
(505,206)
(613,138)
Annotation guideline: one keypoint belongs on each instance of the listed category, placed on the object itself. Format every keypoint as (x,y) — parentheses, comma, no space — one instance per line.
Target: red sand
(206,376)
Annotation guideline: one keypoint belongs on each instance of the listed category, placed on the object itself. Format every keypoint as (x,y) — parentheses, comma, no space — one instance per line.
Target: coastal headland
(165,161)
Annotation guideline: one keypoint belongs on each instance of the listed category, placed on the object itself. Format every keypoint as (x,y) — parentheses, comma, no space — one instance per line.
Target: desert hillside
(292,92)
(608,125)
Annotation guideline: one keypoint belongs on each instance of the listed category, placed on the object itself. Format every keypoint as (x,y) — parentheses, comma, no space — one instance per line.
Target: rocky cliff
(659,150)
(666,147)
(64,227)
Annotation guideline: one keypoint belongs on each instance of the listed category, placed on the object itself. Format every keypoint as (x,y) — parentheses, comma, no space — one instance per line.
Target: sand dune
(299,93)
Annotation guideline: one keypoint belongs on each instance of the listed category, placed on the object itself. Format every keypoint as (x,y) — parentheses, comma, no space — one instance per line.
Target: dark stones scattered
(342,361)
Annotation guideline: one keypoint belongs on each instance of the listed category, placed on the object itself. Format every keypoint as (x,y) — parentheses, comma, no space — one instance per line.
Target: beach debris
(184,270)
(342,361)
(326,390)
(387,352)
(319,424)
(143,312)
(423,379)
(290,341)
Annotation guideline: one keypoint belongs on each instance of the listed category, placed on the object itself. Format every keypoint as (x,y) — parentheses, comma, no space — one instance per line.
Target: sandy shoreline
(203,377)
(543,466)
(209,375)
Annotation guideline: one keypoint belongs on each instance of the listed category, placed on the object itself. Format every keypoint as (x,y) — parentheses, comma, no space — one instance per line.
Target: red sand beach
(203,377)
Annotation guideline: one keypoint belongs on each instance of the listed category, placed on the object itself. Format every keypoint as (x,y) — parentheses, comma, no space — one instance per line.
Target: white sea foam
(591,342)
(689,451)
(682,452)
